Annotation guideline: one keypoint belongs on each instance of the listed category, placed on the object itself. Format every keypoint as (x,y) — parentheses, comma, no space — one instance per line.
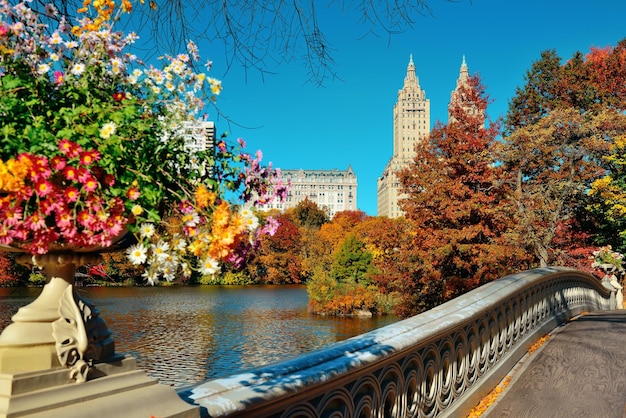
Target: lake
(182,335)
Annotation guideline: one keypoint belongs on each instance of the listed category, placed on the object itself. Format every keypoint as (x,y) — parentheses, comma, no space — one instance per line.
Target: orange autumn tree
(461,215)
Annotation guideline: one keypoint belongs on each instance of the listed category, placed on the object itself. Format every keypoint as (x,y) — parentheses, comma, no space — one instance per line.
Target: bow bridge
(439,363)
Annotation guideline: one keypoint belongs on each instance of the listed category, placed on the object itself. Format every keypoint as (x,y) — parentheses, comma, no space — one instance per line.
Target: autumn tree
(460,212)
(607,71)
(279,261)
(342,224)
(558,127)
(307,214)
(10,273)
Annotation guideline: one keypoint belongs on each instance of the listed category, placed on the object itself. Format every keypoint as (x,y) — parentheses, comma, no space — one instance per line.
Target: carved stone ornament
(70,335)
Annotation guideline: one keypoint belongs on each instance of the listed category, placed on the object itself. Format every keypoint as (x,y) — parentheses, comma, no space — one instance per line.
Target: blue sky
(349,121)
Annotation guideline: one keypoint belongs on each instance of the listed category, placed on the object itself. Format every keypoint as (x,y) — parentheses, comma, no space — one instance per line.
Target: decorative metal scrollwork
(437,371)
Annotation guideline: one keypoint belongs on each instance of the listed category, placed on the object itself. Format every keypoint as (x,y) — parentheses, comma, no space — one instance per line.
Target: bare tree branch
(260,35)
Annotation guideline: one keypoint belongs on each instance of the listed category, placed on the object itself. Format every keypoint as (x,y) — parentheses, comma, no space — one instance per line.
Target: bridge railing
(439,363)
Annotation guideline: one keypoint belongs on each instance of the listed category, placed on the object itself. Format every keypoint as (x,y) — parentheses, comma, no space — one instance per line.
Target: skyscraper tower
(411,124)
(456,97)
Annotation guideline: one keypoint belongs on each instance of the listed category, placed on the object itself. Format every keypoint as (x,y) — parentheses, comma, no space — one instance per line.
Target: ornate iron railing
(438,363)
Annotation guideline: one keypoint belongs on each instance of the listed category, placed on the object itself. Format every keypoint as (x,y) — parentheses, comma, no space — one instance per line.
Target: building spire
(463,73)
(411,78)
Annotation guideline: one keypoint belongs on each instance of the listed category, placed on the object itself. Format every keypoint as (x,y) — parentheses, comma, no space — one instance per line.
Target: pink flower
(58,163)
(133,193)
(90,184)
(70,173)
(35,222)
(89,157)
(69,148)
(43,187)
(13,215)
(109,180)
(85,218)
(63,219)
(83,175)
(49,205)
(58,77)
(71,194)
(39,168)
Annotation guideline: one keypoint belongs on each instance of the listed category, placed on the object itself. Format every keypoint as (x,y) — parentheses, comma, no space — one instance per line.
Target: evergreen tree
(352,261)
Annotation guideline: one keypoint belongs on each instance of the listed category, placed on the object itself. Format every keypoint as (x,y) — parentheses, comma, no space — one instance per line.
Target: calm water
(183,335)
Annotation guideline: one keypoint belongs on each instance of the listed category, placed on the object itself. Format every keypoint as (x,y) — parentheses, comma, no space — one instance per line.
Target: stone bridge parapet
(439,363)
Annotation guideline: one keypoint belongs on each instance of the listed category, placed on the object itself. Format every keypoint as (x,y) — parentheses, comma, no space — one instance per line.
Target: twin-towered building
(411,125)
(336,190)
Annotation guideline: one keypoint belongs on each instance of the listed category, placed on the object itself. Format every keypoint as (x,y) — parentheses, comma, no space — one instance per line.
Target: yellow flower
(137,210)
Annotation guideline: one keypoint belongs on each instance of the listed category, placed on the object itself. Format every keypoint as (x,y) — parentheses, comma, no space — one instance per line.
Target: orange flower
(204,197)
(221,216)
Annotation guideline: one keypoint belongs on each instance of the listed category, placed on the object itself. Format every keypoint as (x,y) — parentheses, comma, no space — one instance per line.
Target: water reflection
(183,335)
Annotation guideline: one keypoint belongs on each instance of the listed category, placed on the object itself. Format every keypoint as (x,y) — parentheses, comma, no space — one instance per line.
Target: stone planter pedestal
(57,358)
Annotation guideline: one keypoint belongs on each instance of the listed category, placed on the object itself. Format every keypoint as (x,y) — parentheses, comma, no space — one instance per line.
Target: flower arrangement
(96,143)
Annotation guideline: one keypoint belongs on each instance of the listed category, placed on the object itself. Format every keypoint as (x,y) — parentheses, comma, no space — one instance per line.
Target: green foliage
(352,261)
(228,278)
(119,269)
(37,279)
(328,296)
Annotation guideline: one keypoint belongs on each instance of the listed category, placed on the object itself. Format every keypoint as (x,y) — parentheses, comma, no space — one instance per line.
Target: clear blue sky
(349,121)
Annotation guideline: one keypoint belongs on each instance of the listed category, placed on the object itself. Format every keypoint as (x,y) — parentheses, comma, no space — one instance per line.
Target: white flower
(160,250)
(191,219)
(146,230)
(249,219)
(245,212)
(209,266)
(251,223)
(107,130)
(117,65)
(185,269)
(151,276)
(168,273)
(78,69)
(43,68)
(56,39)
(137,254)
(216,86)
(178,243)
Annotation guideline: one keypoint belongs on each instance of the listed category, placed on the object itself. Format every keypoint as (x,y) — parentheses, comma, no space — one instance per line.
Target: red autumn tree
(461,214)
(279,261)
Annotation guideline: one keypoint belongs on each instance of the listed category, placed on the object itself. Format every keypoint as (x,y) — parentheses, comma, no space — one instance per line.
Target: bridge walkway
(580,371)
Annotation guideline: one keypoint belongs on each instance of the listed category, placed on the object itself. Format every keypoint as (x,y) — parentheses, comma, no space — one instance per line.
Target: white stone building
(332,190)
